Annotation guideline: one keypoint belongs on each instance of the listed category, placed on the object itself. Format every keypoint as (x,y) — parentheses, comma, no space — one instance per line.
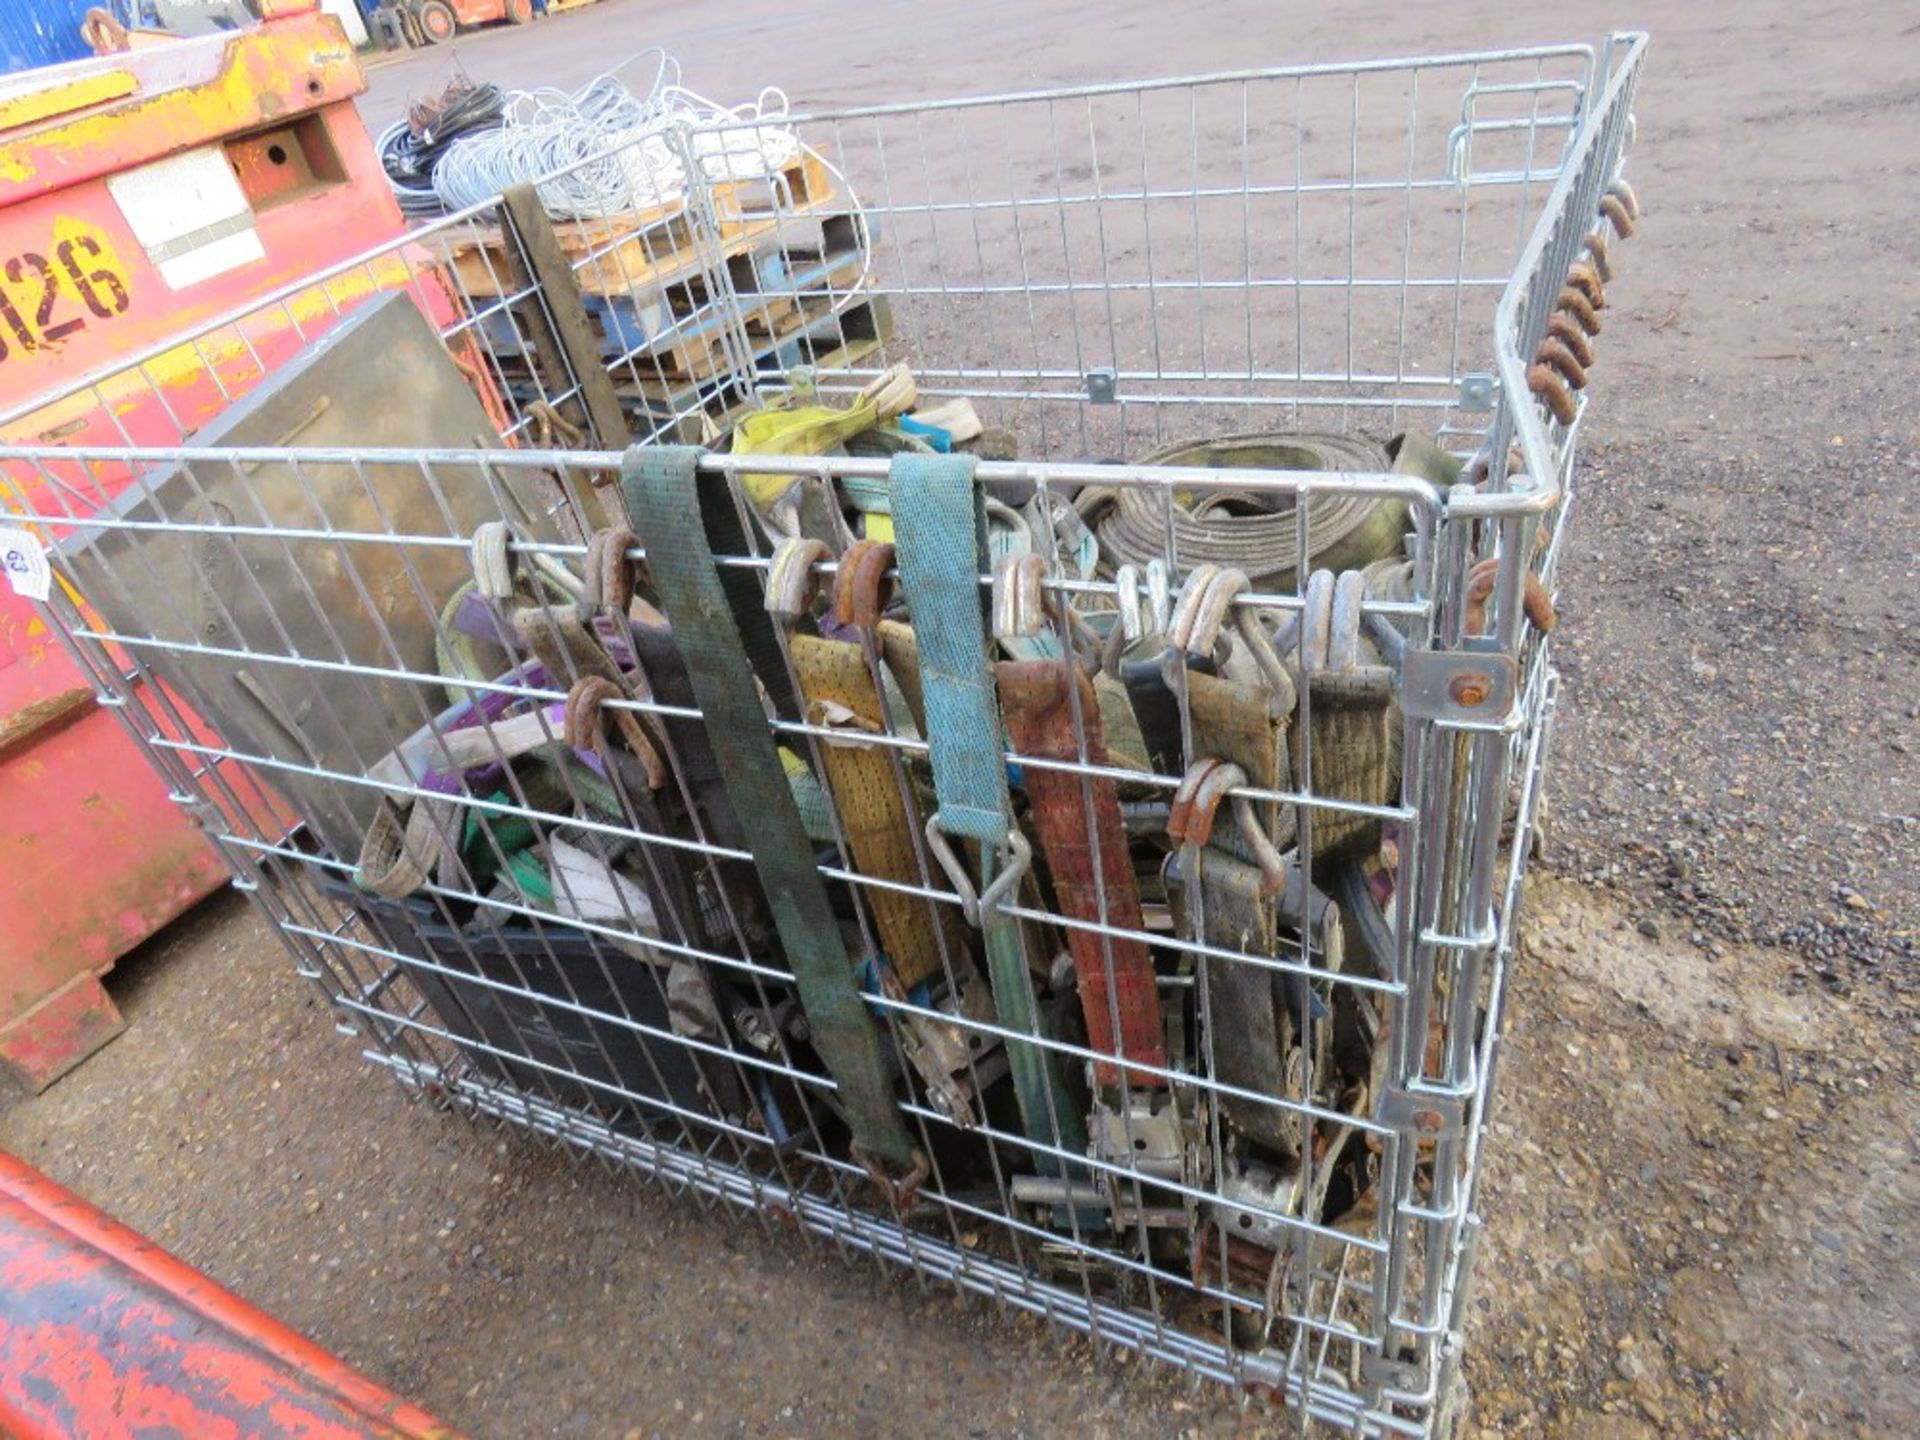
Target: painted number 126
(33,323)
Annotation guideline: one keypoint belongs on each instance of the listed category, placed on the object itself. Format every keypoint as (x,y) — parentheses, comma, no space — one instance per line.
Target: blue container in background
(41,32)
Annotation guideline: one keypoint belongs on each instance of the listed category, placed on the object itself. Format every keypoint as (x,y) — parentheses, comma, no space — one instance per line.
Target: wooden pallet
(614,256)
(747,209)
(809,284)
(624,254)
(812,335)
(677,332)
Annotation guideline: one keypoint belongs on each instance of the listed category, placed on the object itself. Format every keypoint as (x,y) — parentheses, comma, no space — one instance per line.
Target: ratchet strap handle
(725,637)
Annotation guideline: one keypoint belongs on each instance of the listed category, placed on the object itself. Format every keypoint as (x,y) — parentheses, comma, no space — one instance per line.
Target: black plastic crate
(541,1005)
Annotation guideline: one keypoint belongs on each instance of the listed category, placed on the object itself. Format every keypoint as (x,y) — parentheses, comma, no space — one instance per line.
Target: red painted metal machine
(104,1334)
(142,196)
(441,20)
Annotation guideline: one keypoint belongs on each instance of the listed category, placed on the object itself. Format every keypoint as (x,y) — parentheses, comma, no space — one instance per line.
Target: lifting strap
(706,789)
(1245,725)
(1118,991)
(940,530)
(836,684)
(720,634)
(1251,1024)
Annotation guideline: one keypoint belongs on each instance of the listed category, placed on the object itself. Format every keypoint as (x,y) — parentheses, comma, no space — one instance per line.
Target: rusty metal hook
(1622,208)
(609,576)
(1206,602)
(1623,192)
(582,727)
(1156,615)
(493,560)
(1567,331)
(1550,386)
(1197,798)
(903,1193)
(1534,600)
(1560,356)
(1182,626)
(1602,260)
(862,589)
(1582,276)
(1019,605)
(1580,308)
(1196,806)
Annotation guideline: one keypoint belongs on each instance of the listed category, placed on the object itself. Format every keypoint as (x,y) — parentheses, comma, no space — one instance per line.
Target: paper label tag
(190,214)
(25,562)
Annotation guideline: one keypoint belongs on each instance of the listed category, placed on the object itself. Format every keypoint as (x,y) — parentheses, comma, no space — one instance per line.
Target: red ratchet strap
(1040,719)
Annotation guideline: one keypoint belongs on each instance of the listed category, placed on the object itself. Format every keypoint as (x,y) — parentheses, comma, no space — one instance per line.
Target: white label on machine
(191,215)
(25,562)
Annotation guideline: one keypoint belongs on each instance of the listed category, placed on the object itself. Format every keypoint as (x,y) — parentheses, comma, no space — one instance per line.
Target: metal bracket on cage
(199,813)
(1458,686)
(1515,96)
(1103,385)
(1477,389)
(1386,1373)
(1422,1115)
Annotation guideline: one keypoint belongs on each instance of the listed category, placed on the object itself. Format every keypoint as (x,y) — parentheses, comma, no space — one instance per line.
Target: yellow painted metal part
(234,352)
(268,73)
(37,105)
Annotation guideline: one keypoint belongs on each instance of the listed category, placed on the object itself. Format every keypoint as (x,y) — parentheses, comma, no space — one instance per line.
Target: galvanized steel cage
(1105,273)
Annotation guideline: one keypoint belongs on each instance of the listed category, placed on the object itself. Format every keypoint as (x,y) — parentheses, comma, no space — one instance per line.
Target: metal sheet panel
(104,1333)
(380,378)
(41,32)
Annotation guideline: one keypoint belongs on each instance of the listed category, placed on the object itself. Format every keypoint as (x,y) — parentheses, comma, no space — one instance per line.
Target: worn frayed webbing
(680,520)
(1052,712)
(881,835)
(940,535)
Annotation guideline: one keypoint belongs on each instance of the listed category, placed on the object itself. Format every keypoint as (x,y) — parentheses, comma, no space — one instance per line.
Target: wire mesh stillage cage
(1025,769)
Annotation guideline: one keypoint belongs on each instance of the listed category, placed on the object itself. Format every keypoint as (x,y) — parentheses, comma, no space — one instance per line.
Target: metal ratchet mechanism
(1144,1127)
(940,515)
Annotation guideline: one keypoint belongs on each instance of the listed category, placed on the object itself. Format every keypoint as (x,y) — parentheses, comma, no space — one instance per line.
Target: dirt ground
(1701,1195)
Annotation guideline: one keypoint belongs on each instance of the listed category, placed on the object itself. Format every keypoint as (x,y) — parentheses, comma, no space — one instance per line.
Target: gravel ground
(1701,1194)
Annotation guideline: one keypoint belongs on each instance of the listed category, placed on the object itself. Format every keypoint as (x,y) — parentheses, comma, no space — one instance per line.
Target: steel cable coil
(604,150)
(410,149)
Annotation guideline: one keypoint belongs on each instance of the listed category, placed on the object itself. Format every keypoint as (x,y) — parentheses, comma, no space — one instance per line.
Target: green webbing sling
(681,521)
(940,530)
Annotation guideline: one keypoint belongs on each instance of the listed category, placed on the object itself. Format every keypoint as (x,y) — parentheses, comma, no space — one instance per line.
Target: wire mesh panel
(1036,786)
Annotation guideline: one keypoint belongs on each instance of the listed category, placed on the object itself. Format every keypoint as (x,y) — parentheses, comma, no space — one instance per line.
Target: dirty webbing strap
(839,691)
(1115,974)
(680,519)
(1250,1024)
(940,531)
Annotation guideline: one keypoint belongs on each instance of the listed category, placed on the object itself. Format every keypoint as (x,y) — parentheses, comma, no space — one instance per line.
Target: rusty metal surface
(217,84)
(98,859)
(104,1334)
(62,1028)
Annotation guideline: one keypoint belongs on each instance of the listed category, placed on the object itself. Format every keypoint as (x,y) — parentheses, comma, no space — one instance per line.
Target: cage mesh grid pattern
(1103,273)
